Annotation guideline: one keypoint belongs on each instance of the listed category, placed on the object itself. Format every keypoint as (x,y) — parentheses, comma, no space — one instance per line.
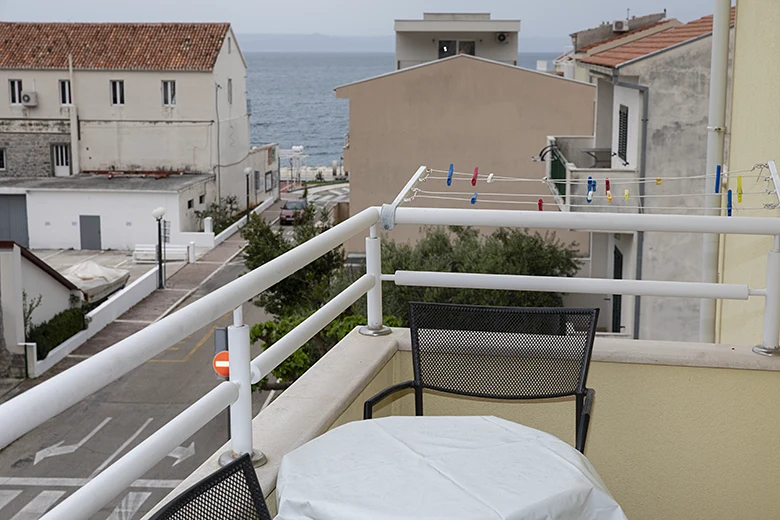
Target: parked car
(291,209)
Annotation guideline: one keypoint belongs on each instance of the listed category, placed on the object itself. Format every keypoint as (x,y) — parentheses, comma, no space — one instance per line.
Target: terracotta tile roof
(111,46)
(623,35)
(653,43)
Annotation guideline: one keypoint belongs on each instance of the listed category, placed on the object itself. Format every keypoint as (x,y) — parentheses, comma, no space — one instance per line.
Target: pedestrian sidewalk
(179,286)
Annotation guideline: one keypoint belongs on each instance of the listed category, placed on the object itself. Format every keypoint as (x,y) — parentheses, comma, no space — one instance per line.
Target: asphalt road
(52,461)
(43,467)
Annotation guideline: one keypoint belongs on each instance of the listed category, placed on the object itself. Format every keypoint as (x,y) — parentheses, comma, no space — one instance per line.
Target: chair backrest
(232,492)
(501,352)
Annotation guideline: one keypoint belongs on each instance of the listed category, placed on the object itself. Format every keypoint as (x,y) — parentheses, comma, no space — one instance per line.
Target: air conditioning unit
(29,99)
(502,37)
(620,26)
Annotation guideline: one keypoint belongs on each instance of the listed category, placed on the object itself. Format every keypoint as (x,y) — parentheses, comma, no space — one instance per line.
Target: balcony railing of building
(32,408)
(404,64)
(573,160)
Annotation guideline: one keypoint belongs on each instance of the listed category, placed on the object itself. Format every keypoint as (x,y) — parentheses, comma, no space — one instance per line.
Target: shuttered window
(623,133)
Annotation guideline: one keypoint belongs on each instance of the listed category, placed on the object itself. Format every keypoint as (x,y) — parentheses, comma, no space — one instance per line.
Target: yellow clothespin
(625,194)
(658,181)
(609,196)
(739,188)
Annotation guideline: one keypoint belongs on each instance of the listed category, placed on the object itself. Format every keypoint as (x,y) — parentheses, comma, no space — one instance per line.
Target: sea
(293,102)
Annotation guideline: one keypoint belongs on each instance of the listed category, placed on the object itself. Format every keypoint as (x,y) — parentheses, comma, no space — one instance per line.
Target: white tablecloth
(440,468)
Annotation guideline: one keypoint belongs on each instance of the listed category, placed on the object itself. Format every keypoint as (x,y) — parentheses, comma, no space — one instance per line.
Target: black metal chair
(501,353)
(232,493)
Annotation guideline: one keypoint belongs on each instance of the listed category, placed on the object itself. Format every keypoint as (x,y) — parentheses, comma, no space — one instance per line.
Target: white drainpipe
(716,131)
(75,166)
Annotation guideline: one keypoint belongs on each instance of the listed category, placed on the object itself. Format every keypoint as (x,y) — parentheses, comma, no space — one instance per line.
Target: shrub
(224,213)
(61,327)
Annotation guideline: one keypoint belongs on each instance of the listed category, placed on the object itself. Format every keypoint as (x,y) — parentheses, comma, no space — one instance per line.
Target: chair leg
(418,400)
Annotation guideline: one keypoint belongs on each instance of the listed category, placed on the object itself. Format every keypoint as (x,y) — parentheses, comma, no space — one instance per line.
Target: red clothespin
(541,204)
(474,177)
(607,182)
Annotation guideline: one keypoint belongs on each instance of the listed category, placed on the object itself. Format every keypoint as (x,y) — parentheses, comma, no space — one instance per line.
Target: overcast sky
(540,18)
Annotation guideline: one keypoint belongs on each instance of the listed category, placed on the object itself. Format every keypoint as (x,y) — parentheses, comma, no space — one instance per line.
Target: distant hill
(326,43)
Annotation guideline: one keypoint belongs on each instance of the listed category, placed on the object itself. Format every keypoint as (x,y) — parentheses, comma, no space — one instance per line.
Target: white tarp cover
(95,280)
(440,468)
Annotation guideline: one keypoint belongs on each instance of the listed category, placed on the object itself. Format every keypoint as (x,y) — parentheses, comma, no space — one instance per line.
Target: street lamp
(158,214)
(247,172)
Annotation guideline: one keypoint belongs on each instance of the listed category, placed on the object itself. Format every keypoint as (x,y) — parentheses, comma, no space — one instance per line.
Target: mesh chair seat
(501,353)
(231,493)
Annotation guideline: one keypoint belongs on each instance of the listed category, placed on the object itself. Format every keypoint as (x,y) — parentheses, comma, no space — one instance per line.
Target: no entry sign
(221,364)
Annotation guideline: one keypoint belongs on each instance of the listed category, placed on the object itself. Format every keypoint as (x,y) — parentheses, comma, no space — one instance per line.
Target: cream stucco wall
(465,111)
(424,46)
(201,132)
(753,138)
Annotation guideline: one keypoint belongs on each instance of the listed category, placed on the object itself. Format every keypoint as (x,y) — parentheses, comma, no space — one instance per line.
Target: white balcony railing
(29,410)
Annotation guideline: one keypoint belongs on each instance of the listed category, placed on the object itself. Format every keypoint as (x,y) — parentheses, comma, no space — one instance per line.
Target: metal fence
(29,410)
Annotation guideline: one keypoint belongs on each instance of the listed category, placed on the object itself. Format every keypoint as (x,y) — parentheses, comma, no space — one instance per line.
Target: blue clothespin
(717,179)
(449,175)
(729,201)
(474,199)
(591,189)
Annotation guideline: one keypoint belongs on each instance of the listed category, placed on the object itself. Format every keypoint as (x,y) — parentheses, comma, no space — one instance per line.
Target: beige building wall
(461,110)
(753,138)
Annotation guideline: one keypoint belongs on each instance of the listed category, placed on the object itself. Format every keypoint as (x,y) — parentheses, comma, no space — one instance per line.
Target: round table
(440,468)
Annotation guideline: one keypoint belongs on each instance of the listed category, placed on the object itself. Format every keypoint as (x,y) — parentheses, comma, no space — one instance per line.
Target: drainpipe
(716,131)
(75,165)
(640,236)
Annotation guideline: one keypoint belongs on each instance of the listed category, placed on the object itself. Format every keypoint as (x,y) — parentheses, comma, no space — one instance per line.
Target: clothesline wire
(598,196)
(580,205)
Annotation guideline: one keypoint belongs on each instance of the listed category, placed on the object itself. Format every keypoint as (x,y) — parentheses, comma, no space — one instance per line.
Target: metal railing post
(241,410)
(374,296)
(769,339)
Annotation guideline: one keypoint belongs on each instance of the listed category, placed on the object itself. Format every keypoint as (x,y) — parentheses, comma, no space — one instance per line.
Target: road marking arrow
(180,453)
(57,449)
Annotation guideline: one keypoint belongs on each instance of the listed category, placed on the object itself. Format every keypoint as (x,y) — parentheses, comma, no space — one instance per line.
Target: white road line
(38,505)
(6,495)
(133,321)
(129,506)
(120,449)
(58,449)
(268,399)
(79,482)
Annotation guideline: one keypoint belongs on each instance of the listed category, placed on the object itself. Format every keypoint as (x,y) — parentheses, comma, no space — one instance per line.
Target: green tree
(465,250)
(441,249)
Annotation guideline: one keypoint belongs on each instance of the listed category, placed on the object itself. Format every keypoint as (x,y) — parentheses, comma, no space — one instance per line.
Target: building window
(190,203)
(65,98)
(269,179)
(15,86)
(258,181)
(117,92)
(447,48)
(230,90)
(2,160)
(623,133)
(169,93)
(467,47)
(201,199)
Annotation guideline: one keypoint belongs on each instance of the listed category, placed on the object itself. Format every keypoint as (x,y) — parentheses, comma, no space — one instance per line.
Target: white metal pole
(241,409)
(572,285)
(769,340)
(30,409)
(581,221)
(716,131)
(374,296)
